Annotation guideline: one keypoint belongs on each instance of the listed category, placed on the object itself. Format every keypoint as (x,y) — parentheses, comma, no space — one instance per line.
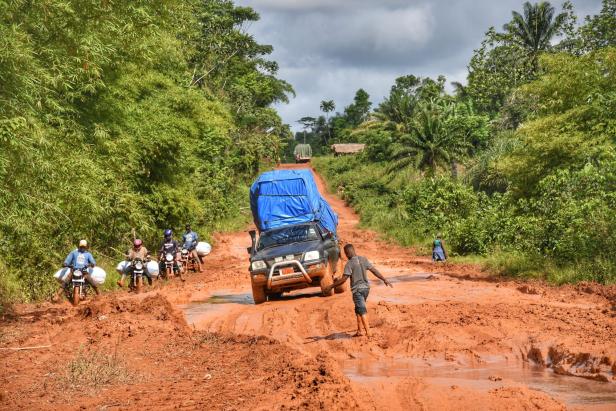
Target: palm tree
(398,107)
(460,90)
(536,27)
(327,106)
(429,142)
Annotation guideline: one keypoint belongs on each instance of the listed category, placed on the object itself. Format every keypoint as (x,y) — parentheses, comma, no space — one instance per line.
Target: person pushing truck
(355,270)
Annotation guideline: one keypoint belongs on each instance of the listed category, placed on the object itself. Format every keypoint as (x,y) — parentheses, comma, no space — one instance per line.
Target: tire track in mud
(443,316)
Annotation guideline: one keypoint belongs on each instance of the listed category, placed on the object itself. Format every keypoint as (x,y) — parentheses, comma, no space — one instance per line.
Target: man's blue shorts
(359,298)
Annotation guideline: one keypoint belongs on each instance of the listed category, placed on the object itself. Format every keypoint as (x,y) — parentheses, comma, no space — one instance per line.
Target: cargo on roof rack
(286,197)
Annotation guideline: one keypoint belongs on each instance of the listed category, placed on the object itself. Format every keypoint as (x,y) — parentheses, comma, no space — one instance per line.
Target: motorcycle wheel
(76,295)
(138,286)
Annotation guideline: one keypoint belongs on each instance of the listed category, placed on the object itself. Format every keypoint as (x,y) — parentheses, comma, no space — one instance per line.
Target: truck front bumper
(302,274)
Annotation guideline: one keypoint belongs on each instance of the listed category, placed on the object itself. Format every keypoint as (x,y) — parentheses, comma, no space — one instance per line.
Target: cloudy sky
(327,49)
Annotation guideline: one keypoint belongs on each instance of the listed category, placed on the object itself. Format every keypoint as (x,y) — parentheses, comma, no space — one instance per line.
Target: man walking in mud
(355,269)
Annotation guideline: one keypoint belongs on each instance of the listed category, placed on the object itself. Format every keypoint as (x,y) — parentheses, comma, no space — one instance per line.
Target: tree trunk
(329,136)
(454,169)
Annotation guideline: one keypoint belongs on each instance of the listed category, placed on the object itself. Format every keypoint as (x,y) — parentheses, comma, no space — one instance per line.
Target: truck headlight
(311,255)
(258,265)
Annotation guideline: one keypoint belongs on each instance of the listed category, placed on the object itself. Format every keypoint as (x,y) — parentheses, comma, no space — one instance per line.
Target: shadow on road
(291,297)
(330,337)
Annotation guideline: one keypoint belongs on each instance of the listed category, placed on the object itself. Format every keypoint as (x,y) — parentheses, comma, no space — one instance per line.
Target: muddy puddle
(407,278)
(198,310)
(486,376)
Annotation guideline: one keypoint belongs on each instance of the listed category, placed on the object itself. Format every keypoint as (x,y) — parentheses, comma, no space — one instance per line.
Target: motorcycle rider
(137,252)
(78,259)
(169,245)
(189,241)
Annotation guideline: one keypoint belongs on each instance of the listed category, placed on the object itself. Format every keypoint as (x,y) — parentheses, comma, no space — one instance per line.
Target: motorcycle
(137,267)
(188,261)
(79,287)
(169,266)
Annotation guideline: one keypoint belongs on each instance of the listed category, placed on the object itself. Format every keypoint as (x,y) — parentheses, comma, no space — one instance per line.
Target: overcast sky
(327,49)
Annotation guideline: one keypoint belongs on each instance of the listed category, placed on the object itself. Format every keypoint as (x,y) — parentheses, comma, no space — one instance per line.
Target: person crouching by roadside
(355,270)
(438,249)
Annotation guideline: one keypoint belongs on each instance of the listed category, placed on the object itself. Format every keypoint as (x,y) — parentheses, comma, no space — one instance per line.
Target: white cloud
(327,49)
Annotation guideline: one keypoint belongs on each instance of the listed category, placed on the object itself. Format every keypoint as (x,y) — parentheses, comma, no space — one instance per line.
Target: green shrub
(561,235)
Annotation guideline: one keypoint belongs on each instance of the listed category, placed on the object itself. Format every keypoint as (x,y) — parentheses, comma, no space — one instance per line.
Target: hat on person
(83,243)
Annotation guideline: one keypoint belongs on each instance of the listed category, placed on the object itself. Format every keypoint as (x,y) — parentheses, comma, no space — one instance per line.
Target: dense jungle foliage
(519,165)
(120,116)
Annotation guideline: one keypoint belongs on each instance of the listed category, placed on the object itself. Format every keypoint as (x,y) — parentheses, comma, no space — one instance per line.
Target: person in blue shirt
(189,242)
(78,259)
(438,249)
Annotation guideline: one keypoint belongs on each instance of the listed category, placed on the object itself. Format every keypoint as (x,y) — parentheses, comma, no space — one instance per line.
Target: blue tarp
(284,197)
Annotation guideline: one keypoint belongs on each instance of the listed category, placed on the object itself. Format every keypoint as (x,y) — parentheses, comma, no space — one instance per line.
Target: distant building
(344,149)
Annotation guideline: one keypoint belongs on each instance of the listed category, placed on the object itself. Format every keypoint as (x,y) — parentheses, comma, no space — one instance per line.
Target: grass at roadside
(92,369)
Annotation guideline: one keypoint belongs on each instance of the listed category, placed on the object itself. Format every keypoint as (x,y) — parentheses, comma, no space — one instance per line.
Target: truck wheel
(342,288)
(258,294)
(326,281)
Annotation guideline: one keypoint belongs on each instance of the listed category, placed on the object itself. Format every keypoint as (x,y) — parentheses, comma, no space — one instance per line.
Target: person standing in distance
(438,249)
(355,269)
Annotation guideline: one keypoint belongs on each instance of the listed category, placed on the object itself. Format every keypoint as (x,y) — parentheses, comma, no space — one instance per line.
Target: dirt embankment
(126,353)
(446,337)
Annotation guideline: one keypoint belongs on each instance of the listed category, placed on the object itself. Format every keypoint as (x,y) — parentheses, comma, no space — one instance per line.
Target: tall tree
(459,90)
(357,112)
(430,141)
(600,31)
(327,106)
(230,62)
(307,123)
(406,93)
(535,28)
(510,59)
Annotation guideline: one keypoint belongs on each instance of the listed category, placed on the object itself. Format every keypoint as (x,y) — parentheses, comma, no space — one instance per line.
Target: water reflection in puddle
(196,310)
(407,278)
(245,299)
(572,390)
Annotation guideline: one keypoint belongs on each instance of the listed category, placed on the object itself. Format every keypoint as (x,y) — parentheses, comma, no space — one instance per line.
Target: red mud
(446,337)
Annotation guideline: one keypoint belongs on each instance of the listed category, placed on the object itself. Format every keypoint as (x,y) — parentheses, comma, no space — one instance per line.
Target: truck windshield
(287,235)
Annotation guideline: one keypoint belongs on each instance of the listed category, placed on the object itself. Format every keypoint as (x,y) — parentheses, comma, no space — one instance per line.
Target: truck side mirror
(253,237)
(329,235)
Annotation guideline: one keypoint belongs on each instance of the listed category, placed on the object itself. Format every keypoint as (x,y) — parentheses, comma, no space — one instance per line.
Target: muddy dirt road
(446,337)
